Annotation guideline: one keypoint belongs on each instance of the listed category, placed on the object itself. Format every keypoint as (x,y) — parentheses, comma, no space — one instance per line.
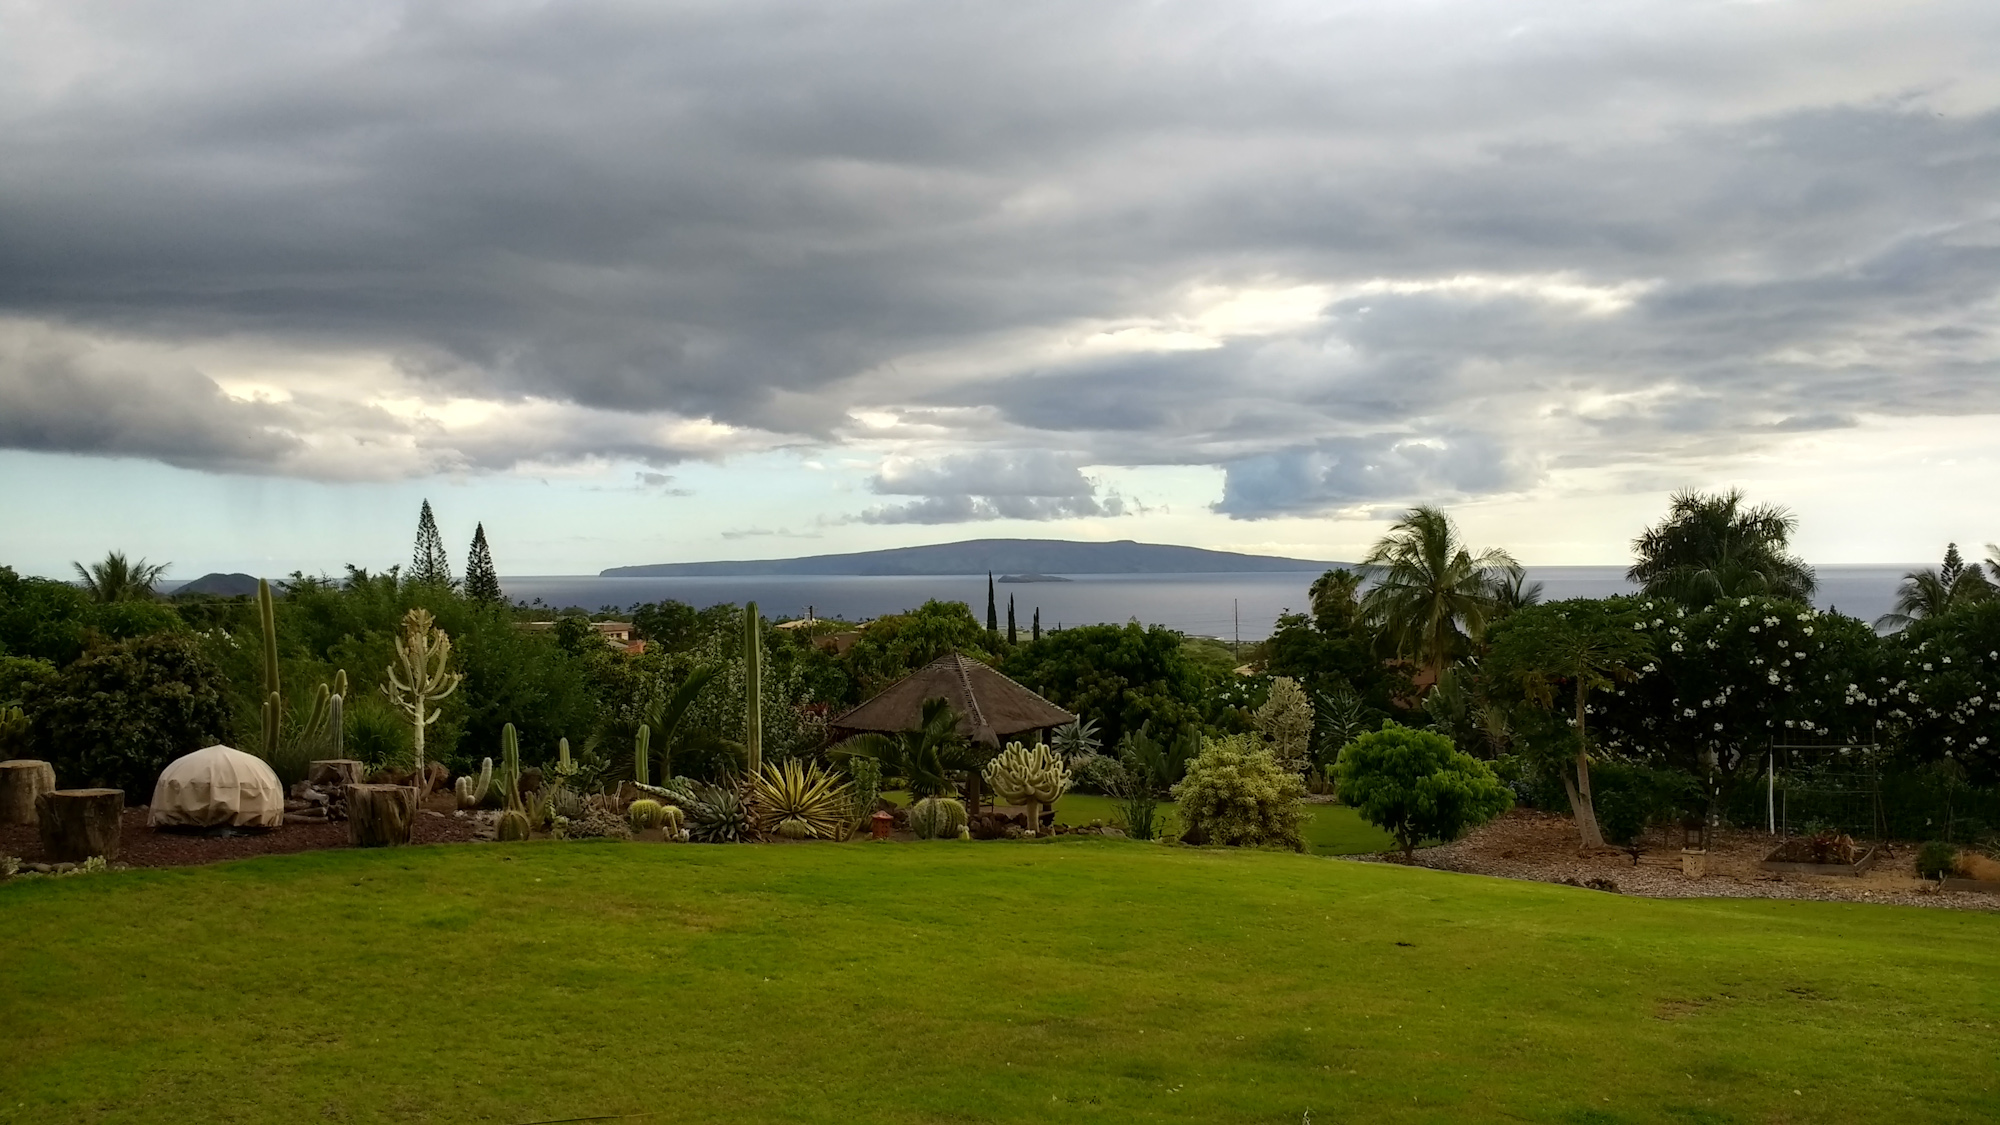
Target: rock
(37,868)
(62,868)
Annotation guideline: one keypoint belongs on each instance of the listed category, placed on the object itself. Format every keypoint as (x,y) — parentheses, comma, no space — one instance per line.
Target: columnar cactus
(642,755)
(1028,775)
(514,821)
(937,818)
(472,792)
(753,689)
(425,678)
(273,704)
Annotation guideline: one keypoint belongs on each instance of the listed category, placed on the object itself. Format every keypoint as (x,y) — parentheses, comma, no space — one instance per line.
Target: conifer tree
(482,582)
(429,566)
(1010,619)
(1037,634)
(992,612)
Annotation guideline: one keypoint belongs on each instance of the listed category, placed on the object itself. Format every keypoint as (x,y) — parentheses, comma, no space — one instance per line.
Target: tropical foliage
(1416,786)
(1433,597)
(1713,546)
(1236,794)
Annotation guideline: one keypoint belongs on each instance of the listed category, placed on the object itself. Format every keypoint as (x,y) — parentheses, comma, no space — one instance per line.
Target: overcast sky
(649,282)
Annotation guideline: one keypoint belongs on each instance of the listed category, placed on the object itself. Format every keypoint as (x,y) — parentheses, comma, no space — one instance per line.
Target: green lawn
(1330,829)
(1080,979)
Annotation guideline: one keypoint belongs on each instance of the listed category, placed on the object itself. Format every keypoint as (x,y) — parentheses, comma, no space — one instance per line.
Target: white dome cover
(218,786)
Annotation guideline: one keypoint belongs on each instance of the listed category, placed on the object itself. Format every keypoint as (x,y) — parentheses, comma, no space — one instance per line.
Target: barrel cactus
(1028,775)
(937,818)
(671,819)
(646,814)
(513,825)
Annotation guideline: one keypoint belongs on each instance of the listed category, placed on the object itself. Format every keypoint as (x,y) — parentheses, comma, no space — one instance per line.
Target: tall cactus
(273,700)
(472,793)
(753,688)
(336,716)
(424,680)
(514,821)
(642,755)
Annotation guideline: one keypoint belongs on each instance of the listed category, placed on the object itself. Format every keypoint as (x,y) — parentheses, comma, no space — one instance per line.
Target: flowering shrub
(1236,793)
(1950,703)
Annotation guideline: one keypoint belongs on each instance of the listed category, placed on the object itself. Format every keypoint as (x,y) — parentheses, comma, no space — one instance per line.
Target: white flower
(1677,646)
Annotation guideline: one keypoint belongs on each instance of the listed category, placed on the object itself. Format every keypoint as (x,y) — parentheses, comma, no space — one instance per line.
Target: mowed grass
(1082,979)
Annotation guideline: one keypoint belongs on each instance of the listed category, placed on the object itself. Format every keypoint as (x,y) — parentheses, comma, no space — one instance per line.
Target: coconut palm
(1713,546)
(1934,592)
(1336,598)
(117,580)
(1433,597)
(1512,591)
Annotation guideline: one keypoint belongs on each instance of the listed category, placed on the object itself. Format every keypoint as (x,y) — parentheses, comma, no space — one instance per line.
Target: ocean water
(1212,605)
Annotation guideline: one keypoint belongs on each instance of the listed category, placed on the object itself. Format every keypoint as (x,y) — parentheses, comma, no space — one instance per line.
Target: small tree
(1235,793)
(1415,785)
(1286,718)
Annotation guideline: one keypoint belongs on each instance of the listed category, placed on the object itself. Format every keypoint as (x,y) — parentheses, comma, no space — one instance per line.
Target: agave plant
(719,815)
(802,802)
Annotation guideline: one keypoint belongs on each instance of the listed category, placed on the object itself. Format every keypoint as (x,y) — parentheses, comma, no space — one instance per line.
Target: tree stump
(21,781)
(331,775)
(380,815)
(79,823)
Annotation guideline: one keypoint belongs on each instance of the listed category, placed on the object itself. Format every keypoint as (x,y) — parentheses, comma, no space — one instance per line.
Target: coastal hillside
(999,556)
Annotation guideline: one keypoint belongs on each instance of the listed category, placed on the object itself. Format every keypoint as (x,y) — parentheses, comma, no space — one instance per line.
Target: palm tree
(116,580)
(1336,598)
(1935,592)
(1712,547)
(1512,591)
(1433,598)
(925,757)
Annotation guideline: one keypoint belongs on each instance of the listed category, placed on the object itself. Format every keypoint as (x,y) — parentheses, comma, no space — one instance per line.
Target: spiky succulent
(670,821)
(802,802)
(937,818)
(719,815)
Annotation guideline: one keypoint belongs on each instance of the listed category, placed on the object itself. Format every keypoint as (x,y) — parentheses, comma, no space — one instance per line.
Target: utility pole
(1236,611)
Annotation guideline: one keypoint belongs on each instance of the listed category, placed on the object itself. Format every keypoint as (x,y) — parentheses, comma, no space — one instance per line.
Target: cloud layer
(1352,254)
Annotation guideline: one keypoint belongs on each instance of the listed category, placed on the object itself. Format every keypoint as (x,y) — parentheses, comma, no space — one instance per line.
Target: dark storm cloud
(1549,234)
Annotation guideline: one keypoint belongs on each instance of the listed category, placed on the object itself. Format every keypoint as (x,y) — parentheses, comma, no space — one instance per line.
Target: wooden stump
(380,815)
(21,781)
(331,775)
(79,823)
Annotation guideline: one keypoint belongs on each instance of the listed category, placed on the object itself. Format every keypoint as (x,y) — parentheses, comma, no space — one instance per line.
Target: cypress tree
(482,582)
(992,612)
(429,566)
(1010,619)
(1037,635)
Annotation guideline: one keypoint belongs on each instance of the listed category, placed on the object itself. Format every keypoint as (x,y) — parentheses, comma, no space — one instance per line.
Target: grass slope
(1076,980)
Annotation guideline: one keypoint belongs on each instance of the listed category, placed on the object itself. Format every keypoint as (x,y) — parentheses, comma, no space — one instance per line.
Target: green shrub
(866,776)
(1415,785)
(1140,810)
(1936,859)
(1630,799)
(1096,773)
(116,717)
(1236,793)
(937,818)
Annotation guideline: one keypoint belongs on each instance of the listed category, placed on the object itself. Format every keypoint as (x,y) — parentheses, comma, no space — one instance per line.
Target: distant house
(617,634)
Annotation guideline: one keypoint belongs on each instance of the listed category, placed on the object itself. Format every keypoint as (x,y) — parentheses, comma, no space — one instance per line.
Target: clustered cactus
(471,792)
(1031,776)
(937,818)
(646,813)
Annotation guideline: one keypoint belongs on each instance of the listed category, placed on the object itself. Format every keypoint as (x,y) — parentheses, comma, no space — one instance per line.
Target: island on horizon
(1032,560)
(1006,578)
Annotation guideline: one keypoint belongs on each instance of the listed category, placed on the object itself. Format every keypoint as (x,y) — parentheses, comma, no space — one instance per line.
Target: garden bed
(143,846)
(1973,886)
(1861,863)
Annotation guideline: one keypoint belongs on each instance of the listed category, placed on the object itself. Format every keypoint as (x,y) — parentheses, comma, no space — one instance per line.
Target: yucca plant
(801,802)
(719,815)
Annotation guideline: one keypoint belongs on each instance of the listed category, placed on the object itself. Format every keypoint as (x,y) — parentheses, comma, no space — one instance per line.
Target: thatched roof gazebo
(991,708)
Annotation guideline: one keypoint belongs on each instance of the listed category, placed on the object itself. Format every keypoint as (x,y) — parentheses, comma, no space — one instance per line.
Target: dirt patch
(1525,844)
(141,846)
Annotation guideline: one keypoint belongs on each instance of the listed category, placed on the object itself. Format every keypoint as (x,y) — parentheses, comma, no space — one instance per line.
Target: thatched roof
(990,706)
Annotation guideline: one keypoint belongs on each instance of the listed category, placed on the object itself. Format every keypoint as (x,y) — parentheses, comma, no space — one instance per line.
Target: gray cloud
(989,485)
(1549,236)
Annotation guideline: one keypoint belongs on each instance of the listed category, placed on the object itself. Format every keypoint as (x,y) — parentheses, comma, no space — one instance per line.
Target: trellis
(1837,786)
